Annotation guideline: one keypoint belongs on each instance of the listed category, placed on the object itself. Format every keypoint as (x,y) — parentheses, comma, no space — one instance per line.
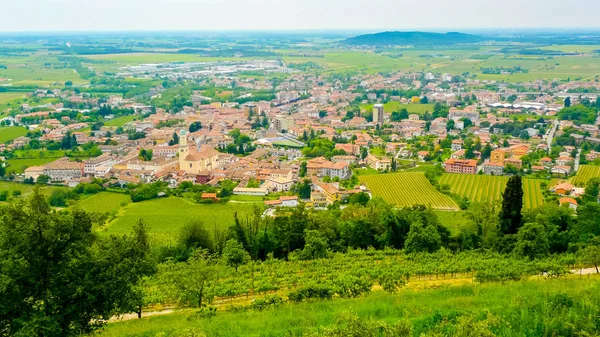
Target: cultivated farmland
(407,189)
(482,187)
(585,173)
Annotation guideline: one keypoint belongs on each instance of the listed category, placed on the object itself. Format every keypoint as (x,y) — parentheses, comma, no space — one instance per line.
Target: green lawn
(390,107)
(120,121)
(104,202)
(19,165)
(166,216)
(367,171)
(11,132)
(555,307)
(6,97)
(454,221)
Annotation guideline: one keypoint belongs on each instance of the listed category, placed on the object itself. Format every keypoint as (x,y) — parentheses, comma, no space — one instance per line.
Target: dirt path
(584,271)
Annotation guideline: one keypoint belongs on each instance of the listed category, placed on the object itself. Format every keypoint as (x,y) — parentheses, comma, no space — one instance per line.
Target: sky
(274,15)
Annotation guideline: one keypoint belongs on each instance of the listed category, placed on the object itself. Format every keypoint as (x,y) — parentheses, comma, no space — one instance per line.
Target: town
(299,183)
(313,131)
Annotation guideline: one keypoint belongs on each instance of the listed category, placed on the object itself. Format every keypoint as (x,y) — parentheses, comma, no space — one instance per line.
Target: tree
(42,179)
(532,241)
(315,247)
(194,235)
(364,152)
(58,198)
(61,279)
(592,189)
(567,102)
(304,189)
(234,254)
(195,126)
(174,140)
(484,215)
(512,203)
(423,238)
(302,171)
(145,155)
(424,100)
(590,255)
(191,282)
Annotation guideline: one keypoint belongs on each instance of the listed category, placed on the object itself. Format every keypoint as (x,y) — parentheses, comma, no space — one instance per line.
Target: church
(193,161)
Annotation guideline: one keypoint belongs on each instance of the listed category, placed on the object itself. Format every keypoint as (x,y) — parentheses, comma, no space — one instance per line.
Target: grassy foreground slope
(407,189)
(559,307)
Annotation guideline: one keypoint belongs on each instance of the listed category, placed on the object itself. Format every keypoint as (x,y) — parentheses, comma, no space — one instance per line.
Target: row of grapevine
(585,173)
(407,189)
(279,275)
(484,187)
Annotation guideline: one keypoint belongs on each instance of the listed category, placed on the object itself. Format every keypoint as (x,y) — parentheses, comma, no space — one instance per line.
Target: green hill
(413,38)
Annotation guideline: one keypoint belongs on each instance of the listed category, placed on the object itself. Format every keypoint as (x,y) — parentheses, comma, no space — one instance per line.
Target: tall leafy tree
(512,203)
(57,278)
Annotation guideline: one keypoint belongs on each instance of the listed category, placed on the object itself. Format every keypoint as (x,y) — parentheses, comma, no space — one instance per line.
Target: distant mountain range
(414,38)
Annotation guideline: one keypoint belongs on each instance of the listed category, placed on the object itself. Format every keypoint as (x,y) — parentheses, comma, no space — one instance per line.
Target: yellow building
(497,156)
(193,161)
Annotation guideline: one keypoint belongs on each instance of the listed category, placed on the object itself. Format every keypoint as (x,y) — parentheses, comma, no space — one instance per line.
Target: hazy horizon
(295,15)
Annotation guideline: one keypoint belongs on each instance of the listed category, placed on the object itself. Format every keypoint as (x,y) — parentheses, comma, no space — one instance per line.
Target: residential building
(63,170)
(468,166)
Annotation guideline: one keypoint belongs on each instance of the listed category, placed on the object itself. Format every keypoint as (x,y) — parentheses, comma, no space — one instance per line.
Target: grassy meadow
(165,216)
(18,166)
(556,307)
(11,132)
(104,202)
(392,106)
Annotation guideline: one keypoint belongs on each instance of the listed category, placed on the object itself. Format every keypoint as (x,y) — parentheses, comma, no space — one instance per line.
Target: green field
(19,165)
(407,189)
(26,190)
(287,143)
(390,107)
(454,221)
(120,121)
(584,174)
(167,215)
(527,308)
(11,132)
(104,202)
(6,97)
(367,171)
(484,187)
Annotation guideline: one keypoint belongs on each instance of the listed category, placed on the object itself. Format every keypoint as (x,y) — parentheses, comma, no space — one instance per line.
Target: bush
(350,286)
(203,313)
(311,291)
(266,302)
(92,188)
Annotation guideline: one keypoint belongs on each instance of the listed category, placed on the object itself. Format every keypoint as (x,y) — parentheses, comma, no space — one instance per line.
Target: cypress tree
(512,203)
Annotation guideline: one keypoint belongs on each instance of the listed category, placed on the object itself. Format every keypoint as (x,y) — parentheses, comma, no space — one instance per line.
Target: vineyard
(407,189)
(585,173)
(370,265)
(481,187)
